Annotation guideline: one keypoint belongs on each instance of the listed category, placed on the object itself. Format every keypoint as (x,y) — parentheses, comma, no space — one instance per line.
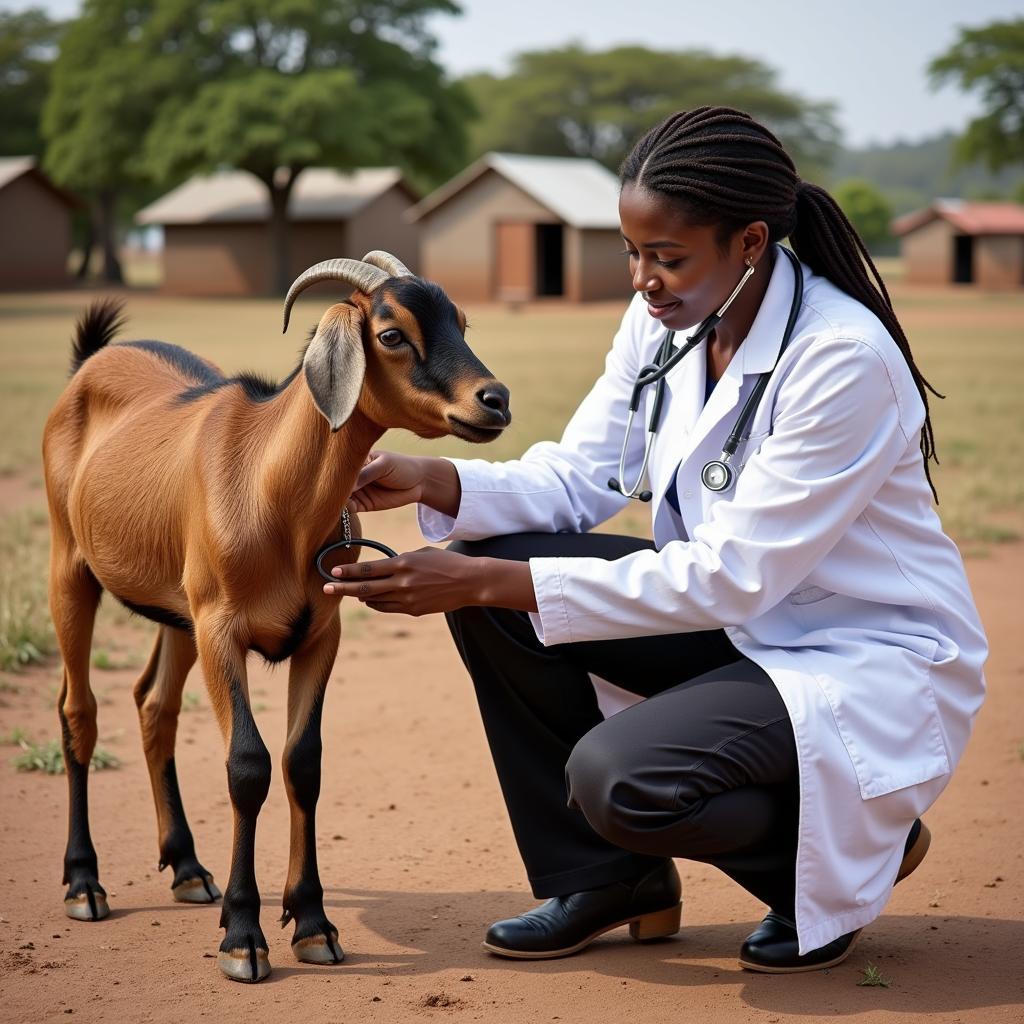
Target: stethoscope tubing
(355,542)
(719,472)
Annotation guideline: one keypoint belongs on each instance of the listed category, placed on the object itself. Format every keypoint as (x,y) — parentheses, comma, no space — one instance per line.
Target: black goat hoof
(196,890)
(247,965)
(90,904)
(319,949)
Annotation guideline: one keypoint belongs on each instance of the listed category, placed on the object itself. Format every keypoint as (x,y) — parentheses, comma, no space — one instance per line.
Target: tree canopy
(292,83)
(573,102)
(868,210)
(150,91)
(989,61)
(28,46)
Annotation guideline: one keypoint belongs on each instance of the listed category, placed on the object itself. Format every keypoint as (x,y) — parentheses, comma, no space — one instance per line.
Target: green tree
(868,210)
(289,84)
(109,79)
(28,47)
(151,91)
(572,102)
(989,61)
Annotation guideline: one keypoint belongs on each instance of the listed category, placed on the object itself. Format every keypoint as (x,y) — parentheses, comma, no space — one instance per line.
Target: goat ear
(335,363)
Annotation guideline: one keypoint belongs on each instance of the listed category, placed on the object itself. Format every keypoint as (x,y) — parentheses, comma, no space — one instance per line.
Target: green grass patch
(49,758)
(15,738)
(873,978)
(106,661)
(26,633)
(190,701)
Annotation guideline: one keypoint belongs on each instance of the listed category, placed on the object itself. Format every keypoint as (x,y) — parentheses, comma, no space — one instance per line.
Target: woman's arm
(844,419)
(559,485)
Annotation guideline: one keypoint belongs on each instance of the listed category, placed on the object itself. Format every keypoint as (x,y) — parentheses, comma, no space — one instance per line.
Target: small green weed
(15,738)
(190,701)
(49,758)
(873,977)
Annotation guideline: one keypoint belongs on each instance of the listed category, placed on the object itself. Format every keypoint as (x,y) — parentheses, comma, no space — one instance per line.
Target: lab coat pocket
(892,733)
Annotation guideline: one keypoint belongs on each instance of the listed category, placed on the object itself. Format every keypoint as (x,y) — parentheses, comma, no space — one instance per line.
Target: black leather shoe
(773,947)
(564,925)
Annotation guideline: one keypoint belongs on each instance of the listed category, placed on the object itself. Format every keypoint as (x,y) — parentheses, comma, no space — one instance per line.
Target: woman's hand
(389,480)
(434,580)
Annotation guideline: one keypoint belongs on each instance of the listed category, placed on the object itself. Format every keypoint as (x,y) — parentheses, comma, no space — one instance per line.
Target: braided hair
(727,170)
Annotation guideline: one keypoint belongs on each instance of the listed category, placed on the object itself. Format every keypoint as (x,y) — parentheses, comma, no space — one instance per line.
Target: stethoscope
(717,475)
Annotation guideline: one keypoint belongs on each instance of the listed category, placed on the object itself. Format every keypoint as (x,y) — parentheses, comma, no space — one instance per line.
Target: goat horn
(362,276)
(394,266)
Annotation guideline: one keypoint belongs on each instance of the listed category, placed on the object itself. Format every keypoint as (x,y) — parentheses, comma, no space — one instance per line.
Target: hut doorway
(963,259)
(550,249)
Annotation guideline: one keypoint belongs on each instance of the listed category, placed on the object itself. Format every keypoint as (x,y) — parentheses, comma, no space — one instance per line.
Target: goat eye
(391,338)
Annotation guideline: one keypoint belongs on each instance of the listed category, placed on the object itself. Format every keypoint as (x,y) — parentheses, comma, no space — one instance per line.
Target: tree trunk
(107,230)
(88,241)
(280,193)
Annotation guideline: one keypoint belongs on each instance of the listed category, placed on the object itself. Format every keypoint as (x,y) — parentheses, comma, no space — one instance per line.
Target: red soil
(417,858)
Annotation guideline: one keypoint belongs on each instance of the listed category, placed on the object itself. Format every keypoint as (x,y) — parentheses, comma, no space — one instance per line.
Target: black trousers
(705,769)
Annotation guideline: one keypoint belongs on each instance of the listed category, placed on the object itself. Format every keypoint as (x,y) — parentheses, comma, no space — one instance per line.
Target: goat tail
(95,328)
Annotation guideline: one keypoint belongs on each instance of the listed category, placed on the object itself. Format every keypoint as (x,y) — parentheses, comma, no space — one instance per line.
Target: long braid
(728,170)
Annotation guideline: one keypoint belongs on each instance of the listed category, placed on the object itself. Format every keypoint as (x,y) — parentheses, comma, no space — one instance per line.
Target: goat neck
(308,471)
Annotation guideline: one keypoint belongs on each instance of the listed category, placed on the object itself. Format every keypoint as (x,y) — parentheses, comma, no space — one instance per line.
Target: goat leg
(315,939)
(243,953)
(74,597)
(158,699)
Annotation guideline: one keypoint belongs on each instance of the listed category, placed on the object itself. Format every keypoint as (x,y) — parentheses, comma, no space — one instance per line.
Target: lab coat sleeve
(556,485)
(842,420)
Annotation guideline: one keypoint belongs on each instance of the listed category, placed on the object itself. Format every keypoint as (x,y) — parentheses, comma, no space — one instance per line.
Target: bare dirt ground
(417,859)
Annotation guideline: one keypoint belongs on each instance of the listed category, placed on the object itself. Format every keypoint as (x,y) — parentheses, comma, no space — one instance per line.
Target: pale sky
(869,57)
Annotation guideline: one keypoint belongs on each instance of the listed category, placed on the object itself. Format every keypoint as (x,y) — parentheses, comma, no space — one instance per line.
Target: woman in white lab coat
(806,640)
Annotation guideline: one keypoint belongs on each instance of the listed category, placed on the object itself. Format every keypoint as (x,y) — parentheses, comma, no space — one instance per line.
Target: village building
(514,228)
(217,227)
(954,241)
(35,241)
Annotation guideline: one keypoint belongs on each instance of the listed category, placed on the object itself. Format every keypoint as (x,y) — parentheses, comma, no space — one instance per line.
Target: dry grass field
(416,854)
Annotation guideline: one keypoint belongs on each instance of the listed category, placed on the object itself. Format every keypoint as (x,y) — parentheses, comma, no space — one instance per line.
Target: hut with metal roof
(35,227)
(514,228)
(217,227)
(958,242)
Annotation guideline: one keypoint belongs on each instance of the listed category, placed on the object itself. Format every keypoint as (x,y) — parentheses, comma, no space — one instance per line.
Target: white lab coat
(826,565)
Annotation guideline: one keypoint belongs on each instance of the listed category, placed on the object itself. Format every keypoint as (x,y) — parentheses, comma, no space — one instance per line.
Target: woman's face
(679,266)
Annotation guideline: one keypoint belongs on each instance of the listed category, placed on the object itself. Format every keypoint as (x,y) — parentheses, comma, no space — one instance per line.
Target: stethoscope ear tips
(717,476)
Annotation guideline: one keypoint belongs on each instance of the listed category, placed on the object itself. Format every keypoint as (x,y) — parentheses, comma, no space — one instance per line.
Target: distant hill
(911,174)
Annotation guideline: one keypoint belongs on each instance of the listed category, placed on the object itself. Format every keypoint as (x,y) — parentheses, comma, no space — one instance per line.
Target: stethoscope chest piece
(718,476)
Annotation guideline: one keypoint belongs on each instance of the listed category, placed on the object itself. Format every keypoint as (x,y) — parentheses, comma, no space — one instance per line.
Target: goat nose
(494,397)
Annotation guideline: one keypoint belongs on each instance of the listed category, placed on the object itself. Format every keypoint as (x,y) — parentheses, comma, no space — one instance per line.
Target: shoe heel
(656,926)
(916,853)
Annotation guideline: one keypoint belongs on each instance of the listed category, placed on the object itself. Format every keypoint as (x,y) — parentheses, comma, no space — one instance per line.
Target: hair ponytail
(725,168)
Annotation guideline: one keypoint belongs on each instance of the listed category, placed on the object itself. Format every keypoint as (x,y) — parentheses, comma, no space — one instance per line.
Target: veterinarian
(803,630)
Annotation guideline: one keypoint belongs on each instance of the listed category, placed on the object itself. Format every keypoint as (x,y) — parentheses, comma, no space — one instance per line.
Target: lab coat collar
(687,420)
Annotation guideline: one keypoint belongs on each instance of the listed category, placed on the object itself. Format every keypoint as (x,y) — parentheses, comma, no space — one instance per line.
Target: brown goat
(200,502)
